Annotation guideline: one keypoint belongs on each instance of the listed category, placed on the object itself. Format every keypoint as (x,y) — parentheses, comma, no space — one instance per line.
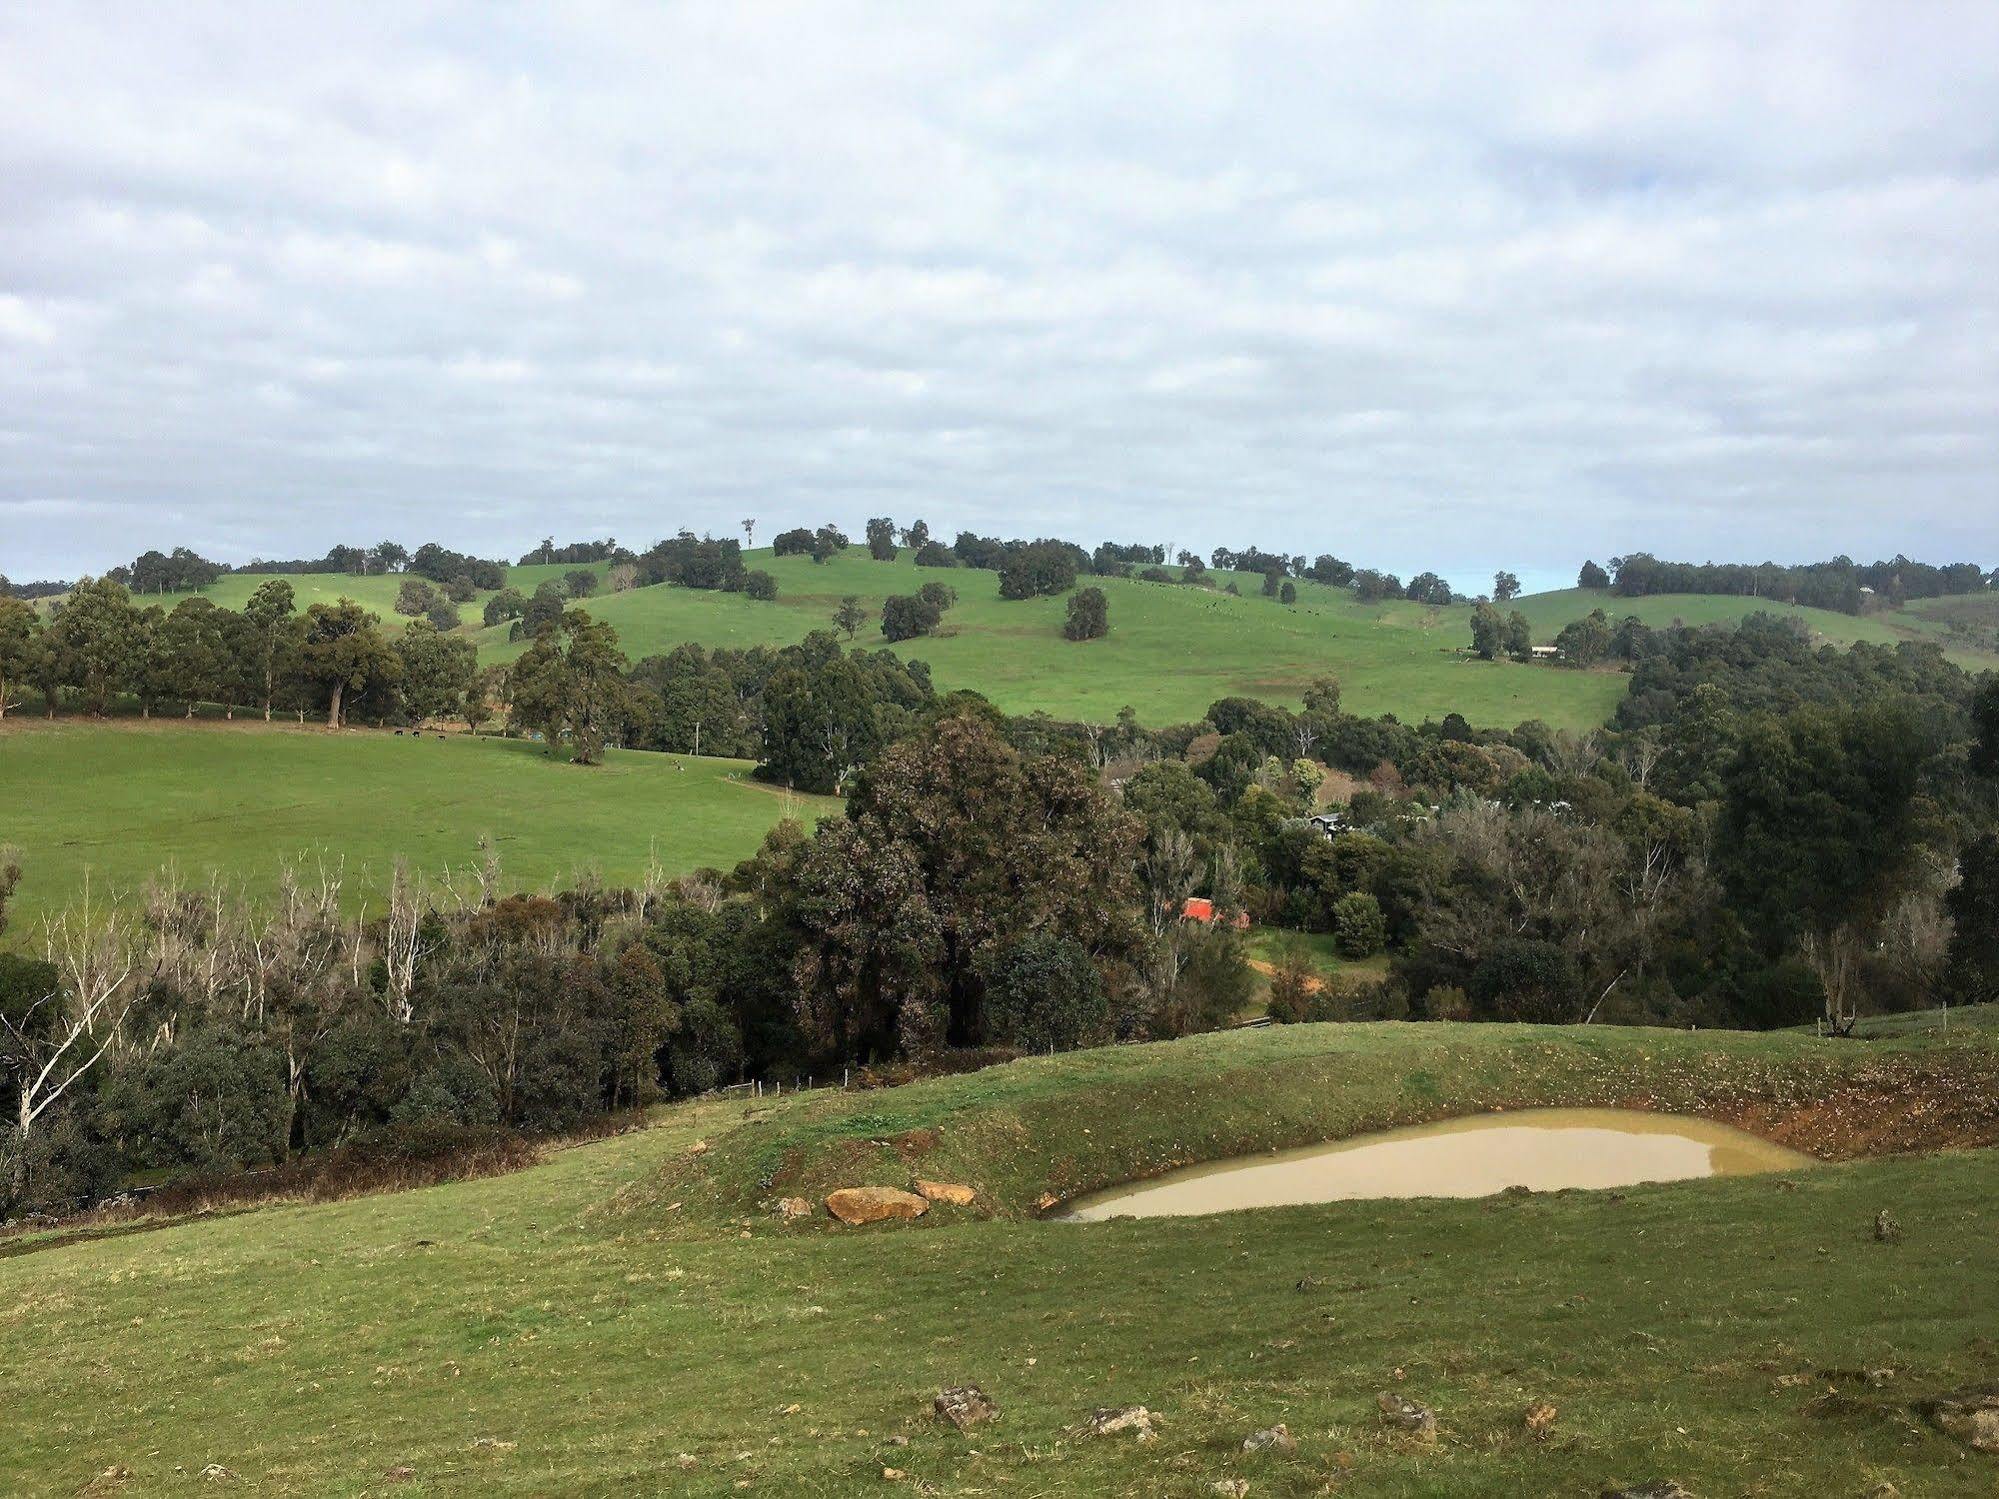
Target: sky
(1455,287)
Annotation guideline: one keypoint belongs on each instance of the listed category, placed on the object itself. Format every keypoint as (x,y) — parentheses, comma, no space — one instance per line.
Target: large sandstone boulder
(1972,1416)
(1404,1414)
(964,1405)
(859,1205)
(951,1192)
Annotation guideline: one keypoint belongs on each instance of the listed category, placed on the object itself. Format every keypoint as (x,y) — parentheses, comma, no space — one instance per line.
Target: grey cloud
(1455,289)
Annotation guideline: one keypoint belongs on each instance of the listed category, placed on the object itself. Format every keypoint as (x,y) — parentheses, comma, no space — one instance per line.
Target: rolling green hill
(1172,650)
(613,1322)
(121,799)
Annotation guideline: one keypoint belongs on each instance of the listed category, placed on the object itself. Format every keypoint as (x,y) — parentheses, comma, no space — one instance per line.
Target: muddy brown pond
(1545,1149)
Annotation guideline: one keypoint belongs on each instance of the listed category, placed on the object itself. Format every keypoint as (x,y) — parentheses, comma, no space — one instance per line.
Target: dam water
(1542,1149)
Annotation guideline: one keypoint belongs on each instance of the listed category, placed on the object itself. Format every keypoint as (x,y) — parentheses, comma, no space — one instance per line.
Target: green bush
(1359,928)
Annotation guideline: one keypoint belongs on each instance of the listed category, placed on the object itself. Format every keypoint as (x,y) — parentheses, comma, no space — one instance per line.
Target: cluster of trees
(976,895)
(690,561)
(810,713)
(548,552)
(41,588)
(1837,584)
(906,616)
(1776,833)
(178,571)
(1494,635)
(99,647)
(821,545)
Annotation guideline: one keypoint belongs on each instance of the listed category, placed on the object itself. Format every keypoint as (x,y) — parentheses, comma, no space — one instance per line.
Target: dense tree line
(1840,584)
(100,647)
(548,552)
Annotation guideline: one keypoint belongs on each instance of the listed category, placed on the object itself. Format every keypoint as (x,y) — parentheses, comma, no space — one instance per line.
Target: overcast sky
(1426,286)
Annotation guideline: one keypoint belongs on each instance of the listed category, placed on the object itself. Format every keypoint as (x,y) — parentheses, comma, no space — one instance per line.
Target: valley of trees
(1767,833)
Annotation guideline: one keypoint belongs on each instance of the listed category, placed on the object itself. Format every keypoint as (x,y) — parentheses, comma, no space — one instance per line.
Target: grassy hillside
(123,798)
(552,1332)
(1171,651)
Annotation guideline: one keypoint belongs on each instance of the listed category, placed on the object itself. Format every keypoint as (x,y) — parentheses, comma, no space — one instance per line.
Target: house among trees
(1200,908)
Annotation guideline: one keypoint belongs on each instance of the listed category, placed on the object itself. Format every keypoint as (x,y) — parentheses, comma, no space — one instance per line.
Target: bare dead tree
(403,943)
(66,1032)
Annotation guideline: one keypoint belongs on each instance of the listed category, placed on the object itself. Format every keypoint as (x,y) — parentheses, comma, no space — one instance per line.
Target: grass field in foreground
(550,1333)
(122,799)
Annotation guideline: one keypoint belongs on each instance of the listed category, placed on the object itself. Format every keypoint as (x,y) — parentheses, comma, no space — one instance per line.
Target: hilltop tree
(881,539)
(827,542)
(19,632)
(1505,587)
(1592,576)
(570,686)
(916,536)
(343,651)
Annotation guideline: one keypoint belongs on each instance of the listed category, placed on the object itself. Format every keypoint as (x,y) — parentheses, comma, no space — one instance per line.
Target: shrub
(414,597)
(1359,928)
(935,554)
(443,614)
(760,586)
(1043,991)
(1522,979)
(1288,594)
(942,595)
(581,582)
(1447,1002)
(907,616)
(1089,615)
(508,603)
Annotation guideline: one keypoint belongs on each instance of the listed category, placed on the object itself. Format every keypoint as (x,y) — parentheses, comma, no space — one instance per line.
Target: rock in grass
(789,1208)
(1659,1488)
(859,1205)
(952,1192)
(1407,1415)
(964,1405)
(1971,1416)
(1886,1229)
(1111,1420)
(1231,1488)
(1276,1438)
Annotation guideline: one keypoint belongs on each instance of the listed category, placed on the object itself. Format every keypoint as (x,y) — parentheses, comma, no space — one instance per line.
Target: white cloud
(1451,288)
